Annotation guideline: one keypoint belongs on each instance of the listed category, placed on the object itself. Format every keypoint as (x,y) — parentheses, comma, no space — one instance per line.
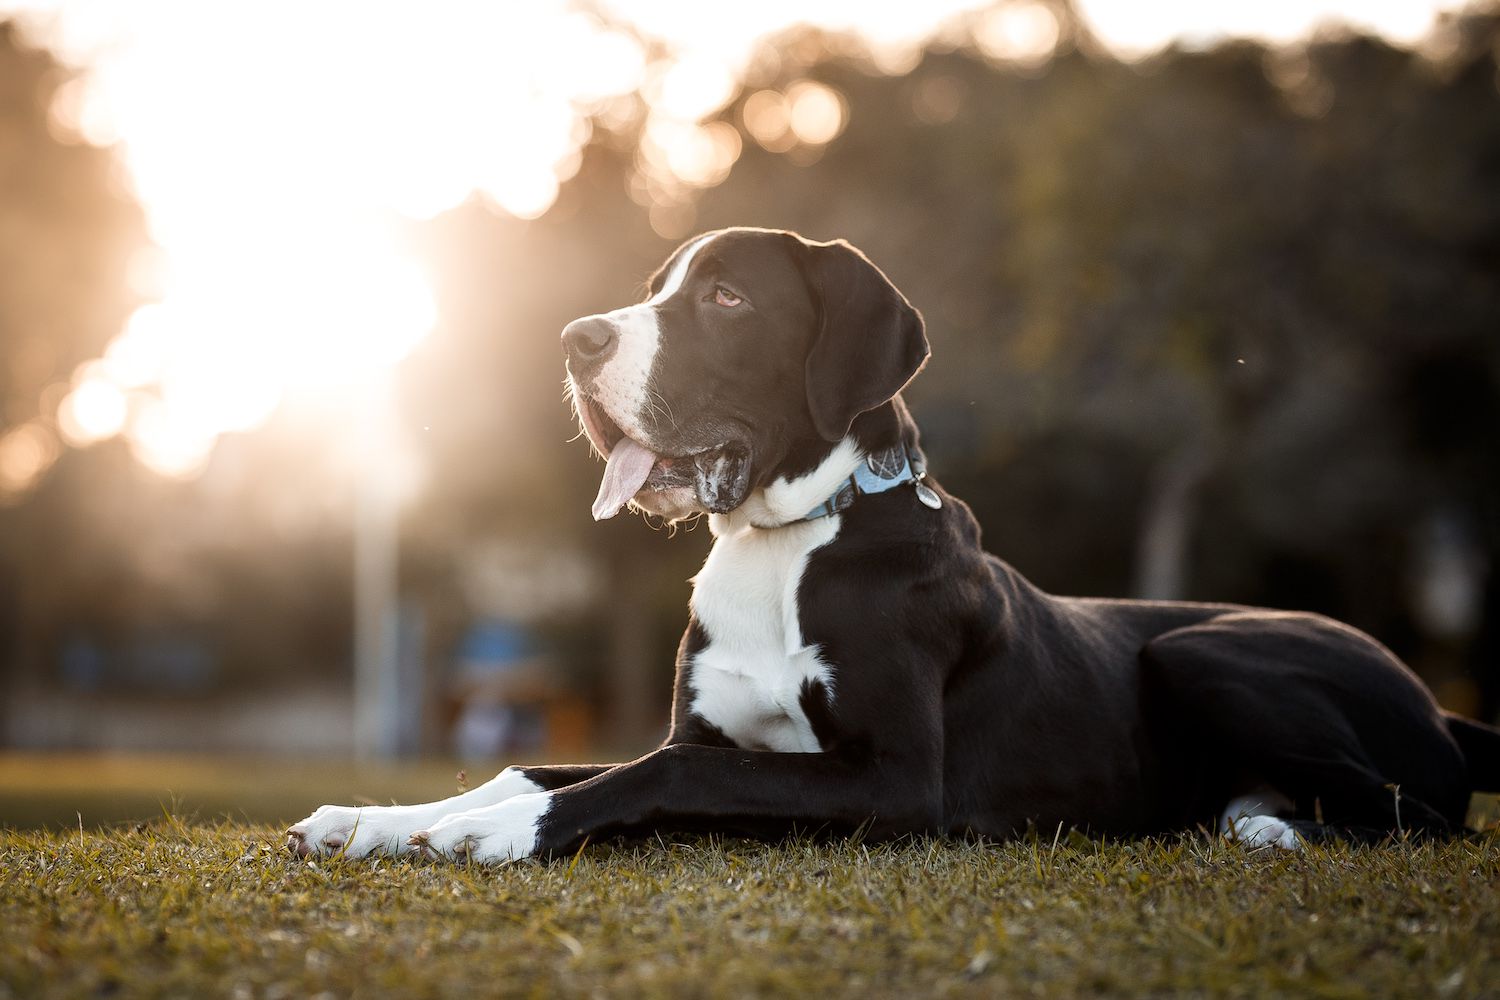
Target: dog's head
(754,354)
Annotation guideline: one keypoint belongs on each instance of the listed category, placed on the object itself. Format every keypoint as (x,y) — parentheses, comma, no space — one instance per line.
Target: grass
(172,908)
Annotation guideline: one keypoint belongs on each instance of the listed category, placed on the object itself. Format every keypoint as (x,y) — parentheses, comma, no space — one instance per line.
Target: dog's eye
(724,297)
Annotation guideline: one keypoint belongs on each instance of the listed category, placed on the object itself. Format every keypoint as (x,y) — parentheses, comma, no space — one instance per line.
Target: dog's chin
(714,481)
(675,503)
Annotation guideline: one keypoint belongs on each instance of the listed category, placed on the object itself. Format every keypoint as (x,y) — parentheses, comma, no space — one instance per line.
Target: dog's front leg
(687,786)
(356,831)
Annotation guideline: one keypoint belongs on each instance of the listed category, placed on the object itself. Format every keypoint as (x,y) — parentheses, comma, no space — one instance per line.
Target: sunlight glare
(714,149)
(817,112)
(25,453)
(207,362)
(134,358)
(1021,33)
(693,88)
(769,120)
(167,445)
(1133,29)
(94,411)
(610,63)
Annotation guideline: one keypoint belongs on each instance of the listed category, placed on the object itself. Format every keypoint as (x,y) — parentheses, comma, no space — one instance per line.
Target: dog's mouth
(716,476)
(603,433)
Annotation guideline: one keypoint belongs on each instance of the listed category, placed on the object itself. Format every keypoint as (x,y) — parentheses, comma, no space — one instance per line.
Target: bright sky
(276,145)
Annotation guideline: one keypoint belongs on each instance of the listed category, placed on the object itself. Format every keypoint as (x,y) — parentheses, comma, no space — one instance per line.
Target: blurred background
(290,509)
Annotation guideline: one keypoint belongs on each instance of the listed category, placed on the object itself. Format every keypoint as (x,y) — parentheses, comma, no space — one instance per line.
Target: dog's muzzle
(718,478)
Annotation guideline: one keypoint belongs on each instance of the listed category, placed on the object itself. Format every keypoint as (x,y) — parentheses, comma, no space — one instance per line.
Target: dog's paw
(1263,831)
(507,831)
(356,831)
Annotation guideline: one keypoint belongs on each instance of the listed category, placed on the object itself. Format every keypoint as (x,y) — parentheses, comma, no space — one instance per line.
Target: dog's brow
(659,276)
(674,272)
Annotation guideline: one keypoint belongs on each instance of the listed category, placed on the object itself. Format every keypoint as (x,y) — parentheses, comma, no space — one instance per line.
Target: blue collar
(882,471)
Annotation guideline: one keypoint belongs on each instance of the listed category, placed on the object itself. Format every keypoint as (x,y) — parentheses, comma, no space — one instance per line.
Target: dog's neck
(783,501)
(788,501)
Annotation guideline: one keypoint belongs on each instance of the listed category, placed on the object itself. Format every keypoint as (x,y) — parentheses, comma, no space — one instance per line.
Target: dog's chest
(748,680)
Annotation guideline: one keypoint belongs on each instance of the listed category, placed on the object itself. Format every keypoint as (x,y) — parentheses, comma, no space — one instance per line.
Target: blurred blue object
(156,663)
(492,646)
(496,679)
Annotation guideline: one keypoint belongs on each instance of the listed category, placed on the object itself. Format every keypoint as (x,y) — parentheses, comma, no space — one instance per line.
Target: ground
(116,879)
(171,908)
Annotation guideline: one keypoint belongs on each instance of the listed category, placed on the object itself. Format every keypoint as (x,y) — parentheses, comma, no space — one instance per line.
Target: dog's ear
(870,340)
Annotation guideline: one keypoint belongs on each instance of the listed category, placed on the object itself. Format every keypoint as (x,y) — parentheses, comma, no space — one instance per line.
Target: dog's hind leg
(1313,709)
(1260,819)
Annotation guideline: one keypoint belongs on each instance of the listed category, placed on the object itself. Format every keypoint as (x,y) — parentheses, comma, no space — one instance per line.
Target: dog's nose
(590,340)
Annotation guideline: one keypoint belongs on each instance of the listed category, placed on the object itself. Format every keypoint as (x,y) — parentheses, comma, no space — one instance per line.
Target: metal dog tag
(926,494)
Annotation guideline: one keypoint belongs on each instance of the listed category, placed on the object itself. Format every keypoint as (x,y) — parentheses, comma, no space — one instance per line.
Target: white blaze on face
(623,385)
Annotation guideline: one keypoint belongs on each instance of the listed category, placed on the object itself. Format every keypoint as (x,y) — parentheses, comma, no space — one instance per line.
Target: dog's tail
(1481,748)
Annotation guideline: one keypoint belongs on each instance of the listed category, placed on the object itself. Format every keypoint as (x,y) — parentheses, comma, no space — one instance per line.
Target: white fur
(1250,820)
(748,679)
(506,831)
(386,829)
(623,385)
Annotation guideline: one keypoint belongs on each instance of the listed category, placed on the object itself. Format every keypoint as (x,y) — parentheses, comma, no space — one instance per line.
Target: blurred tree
(69,232)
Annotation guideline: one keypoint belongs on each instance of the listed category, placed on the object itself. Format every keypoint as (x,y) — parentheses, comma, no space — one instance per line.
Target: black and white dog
(854,659)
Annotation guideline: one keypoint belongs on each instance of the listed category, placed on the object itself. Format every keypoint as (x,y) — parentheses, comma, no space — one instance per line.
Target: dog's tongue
(624,475)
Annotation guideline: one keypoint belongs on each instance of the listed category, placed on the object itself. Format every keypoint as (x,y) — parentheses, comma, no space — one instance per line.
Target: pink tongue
(624,475)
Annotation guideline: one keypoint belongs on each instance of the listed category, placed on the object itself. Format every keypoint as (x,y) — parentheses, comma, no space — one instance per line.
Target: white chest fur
(748,680)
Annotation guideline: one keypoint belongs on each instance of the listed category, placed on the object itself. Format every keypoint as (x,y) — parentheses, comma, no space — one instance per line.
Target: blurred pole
(1170,517)
(376,612)
(635,714)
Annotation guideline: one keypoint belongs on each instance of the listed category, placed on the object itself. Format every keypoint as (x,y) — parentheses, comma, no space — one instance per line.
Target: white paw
(1263,831)
(387,829)
(357,831)
(503,832)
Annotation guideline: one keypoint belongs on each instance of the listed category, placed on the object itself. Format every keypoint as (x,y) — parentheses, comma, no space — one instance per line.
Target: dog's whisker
(671,417)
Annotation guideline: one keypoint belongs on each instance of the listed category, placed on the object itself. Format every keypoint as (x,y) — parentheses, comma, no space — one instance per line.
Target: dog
(855,661)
